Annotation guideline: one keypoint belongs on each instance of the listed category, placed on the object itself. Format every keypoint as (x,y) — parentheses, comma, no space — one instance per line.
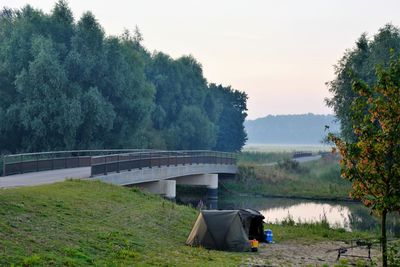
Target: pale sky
(279,52)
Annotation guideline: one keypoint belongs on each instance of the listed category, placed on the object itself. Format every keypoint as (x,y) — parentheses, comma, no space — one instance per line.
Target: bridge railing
(102,165)
(299,154)
(43,161)
(111,160)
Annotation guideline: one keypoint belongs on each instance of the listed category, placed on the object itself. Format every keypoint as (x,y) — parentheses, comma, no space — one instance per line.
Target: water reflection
(336,215)
(347,215)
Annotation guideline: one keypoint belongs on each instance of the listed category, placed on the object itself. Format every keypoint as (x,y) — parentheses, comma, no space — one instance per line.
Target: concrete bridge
(157,171)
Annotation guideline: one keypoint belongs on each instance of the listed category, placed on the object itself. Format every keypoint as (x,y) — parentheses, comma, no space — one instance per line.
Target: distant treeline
(290,129)
(66,85)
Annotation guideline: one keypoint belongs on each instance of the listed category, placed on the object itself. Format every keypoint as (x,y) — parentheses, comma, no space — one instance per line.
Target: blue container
(268,236)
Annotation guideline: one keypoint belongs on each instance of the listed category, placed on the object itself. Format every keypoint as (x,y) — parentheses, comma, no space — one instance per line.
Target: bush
(245,173)
(291,166)
(394,253)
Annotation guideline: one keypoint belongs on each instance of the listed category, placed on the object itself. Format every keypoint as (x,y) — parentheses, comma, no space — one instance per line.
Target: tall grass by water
(317,179)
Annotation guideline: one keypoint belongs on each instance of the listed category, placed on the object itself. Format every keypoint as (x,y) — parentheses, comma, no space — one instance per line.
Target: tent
(224,229)
(252,221)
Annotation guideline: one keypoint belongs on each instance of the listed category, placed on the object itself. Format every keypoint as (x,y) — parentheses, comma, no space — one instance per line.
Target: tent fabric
(252,221)
(223,229)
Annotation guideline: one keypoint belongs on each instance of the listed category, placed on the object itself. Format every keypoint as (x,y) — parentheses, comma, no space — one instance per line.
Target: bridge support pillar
(212,191)
(166,188)
(209,180)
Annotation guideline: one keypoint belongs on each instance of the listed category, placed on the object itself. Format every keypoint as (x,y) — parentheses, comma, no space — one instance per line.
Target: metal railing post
(4,165)
(140,160)
(118,163)
(151,162)
(105,165)
(21,165)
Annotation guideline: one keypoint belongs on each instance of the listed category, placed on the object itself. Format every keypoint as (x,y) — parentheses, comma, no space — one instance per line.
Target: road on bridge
(43,177)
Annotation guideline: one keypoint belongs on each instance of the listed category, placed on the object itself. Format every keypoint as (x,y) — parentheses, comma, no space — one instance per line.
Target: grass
(80,223)
(262,157)
(317,179)
(289,230)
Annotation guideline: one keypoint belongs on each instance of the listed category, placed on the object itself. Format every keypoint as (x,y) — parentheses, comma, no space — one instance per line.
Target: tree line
(64,84)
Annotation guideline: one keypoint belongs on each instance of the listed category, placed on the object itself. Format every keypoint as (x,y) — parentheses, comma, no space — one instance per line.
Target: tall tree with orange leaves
(372,163)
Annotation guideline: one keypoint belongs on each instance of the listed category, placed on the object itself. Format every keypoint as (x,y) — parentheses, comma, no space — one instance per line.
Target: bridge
(155,170)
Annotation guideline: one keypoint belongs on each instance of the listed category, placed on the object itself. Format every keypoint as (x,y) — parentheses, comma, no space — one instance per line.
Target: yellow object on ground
(254,245)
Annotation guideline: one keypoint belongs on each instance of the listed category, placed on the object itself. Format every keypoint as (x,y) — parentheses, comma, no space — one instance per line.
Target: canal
(339,214)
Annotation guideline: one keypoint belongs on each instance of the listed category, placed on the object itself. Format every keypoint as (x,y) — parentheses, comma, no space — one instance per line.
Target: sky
(280,52)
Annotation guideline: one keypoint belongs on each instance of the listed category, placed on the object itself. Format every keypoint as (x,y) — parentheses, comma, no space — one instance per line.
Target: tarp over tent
(223,229)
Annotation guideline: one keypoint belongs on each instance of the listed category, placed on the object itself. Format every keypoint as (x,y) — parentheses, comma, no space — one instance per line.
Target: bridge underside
(144,175)
(163,180)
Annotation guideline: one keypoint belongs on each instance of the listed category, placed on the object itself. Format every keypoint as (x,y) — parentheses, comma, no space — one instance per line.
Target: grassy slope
(85,222)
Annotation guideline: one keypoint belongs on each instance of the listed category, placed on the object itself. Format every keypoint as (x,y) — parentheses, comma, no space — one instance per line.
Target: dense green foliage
(360,62)
(66,85)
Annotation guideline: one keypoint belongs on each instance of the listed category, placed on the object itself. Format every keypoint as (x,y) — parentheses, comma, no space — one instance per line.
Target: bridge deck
(43,177)
(122,169)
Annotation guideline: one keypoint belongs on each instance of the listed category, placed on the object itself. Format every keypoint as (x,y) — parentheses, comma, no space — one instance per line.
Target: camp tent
(222,230)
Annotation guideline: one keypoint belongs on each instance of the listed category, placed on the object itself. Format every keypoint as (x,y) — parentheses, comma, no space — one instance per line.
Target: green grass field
(80,223)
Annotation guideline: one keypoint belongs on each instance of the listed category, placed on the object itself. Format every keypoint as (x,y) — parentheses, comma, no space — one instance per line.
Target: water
(339,214)
(346,215)
(336,215)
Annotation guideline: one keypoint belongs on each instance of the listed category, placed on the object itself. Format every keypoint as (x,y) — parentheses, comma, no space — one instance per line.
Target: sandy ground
(295,254)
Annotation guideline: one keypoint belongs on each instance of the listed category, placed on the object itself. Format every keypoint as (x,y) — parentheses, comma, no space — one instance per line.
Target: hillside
(80,223)
(290,129)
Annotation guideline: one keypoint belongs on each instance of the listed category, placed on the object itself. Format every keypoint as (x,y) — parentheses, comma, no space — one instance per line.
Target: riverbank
(318,179)
(80,223)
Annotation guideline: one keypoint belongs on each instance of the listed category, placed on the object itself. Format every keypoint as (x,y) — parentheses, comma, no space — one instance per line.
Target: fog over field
(304,129)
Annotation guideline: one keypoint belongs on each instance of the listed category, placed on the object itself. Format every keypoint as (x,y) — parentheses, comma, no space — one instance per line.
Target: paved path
(44,177)
(306,159)
(299,160)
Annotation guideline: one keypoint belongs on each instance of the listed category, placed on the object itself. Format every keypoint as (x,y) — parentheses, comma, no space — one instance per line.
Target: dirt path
(295,254)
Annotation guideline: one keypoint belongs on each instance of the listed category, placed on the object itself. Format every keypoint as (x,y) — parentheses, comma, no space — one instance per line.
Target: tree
(192,130)
(67,85)
(360,61)
(372,162)
(49,113)
(231,133)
